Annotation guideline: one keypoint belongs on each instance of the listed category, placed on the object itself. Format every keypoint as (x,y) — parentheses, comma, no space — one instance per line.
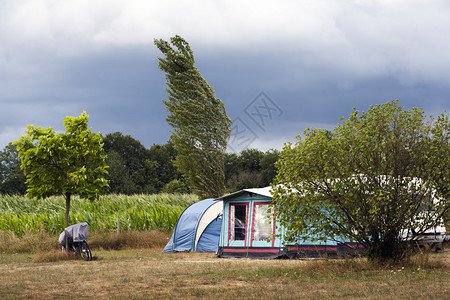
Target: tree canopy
(134,169)
(379,176)
(12,179)
(200,124)
(63,163)
(249,169)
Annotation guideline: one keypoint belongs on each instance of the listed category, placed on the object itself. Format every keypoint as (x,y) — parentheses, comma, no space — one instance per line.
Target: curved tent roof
(198,228)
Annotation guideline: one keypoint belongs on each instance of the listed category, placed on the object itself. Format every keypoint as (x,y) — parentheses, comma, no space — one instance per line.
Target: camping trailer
(249,229)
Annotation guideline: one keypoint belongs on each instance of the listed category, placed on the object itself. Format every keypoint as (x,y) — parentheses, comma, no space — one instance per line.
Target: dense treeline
(135,169)
(249,169)
(12,178)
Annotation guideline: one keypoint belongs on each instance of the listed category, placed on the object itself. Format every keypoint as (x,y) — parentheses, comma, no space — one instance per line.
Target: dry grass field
(150,274)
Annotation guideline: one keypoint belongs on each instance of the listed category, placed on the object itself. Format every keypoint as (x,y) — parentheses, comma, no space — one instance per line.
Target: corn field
(21,215)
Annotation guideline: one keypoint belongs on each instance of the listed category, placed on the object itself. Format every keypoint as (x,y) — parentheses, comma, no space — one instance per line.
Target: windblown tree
(380,176)
(70,163)
(200,124)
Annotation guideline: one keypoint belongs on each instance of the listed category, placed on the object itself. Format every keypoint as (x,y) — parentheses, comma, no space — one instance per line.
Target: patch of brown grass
(28,243)
(38,243)
(128,240)
(423,261)
(427,261)
(54,256)
(338,266)
(150,274)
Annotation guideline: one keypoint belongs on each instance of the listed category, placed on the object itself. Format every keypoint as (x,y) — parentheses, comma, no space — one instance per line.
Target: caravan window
(263,228)
(238,222)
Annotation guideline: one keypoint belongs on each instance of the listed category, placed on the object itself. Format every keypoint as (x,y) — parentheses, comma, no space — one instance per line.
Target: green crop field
(21,215)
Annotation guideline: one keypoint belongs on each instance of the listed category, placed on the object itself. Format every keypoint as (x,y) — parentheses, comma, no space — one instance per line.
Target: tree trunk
(67,196)
(386,250)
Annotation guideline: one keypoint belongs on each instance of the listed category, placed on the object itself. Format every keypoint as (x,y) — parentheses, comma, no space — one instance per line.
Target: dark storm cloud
(121,91)
(309,95)
(315,59)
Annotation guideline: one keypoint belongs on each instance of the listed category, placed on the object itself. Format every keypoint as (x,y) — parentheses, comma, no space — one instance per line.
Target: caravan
(249,229)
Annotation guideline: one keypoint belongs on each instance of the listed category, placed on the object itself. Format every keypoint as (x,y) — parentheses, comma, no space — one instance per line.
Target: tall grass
(21,215)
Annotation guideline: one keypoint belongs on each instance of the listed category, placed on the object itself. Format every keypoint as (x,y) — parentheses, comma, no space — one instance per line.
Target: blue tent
(198,228)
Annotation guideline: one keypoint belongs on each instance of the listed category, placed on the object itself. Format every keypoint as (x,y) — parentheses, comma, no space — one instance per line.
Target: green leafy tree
(232,166)
(12,179)
(250,159)
(63,163)
(165,155)
(200,124)
(176,186)
(243,180)
(130,149)
(118,175)
(373,180)
(246,168)
(250,168)
(268,168)
(134,169)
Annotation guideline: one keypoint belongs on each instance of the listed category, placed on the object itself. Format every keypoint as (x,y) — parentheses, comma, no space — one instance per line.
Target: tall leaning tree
(200,124)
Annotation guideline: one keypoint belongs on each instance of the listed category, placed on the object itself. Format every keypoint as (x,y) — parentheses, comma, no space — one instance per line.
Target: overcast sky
(279,66)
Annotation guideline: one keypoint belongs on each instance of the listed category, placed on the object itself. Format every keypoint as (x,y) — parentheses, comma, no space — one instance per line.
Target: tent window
(238,221)
(262,223)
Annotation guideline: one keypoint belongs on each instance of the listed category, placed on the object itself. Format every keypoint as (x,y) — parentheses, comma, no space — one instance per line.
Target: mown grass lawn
(148,273)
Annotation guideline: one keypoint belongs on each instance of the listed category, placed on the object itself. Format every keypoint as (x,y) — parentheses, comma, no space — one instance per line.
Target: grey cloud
(316,61)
